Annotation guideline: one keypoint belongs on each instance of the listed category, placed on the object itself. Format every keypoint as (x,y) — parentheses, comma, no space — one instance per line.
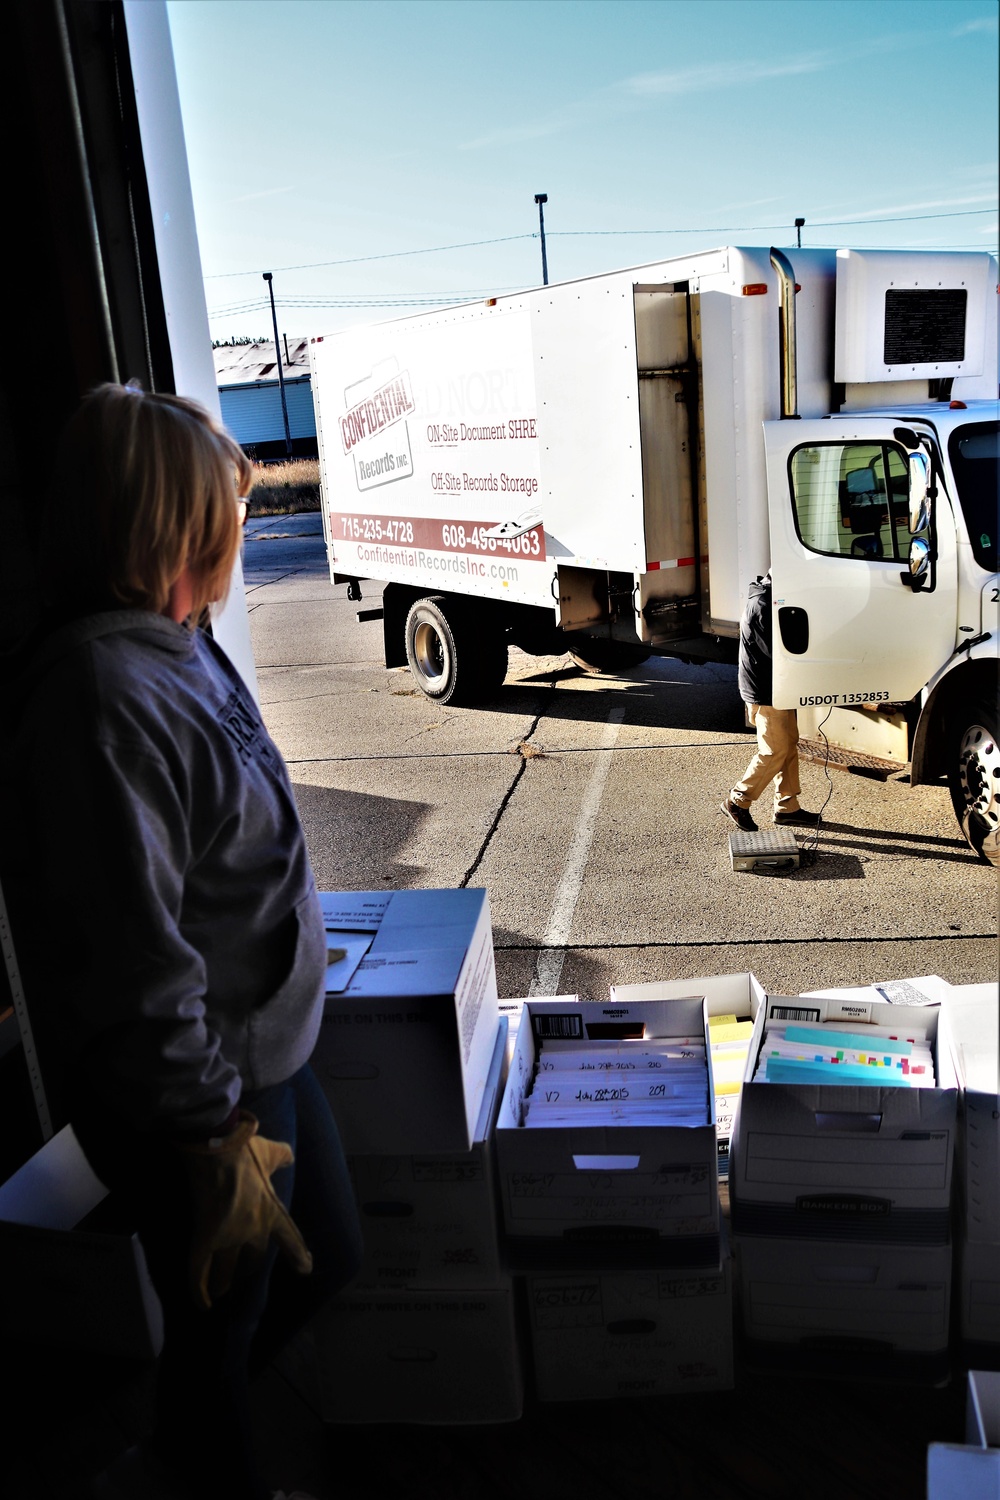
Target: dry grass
(284,489)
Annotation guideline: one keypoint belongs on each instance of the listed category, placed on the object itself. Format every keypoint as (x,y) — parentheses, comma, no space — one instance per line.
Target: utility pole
(541,198)
(798,231)
(269,278)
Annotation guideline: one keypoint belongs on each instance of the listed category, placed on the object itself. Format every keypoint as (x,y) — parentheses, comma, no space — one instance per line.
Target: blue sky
(361,131)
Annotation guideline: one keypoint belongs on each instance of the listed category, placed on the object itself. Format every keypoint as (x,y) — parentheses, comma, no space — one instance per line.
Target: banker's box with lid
(438,1357)
(864,1301)
(430,1221)
(572,1192)
(847,1162)
(599,1335)
(974,1022)
(973,1012)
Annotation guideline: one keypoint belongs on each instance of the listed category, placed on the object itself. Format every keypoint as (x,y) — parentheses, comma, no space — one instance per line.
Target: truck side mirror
(919,472)
(920,563)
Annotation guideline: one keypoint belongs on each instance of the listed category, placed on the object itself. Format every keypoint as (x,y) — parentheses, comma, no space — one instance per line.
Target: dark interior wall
(82,305)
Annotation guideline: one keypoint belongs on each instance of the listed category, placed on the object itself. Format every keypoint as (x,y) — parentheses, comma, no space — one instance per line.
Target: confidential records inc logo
(373,429)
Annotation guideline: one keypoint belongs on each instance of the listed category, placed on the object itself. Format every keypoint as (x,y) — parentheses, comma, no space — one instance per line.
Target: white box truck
(603,466)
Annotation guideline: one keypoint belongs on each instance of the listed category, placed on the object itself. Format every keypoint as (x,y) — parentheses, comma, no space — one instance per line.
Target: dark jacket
(164,907)
(755,644)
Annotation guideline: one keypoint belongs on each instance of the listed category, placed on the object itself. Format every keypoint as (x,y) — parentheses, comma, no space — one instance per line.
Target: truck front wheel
(974,777)
(455,652)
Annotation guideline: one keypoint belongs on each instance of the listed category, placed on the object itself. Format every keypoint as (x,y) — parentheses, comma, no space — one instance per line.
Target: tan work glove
(237,1210)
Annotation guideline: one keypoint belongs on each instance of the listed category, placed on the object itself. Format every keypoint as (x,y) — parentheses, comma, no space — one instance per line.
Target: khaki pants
(776,759)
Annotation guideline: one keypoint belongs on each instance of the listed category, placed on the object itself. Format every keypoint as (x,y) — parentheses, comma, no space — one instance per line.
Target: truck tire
(595,656)
(974,776)
(455,652)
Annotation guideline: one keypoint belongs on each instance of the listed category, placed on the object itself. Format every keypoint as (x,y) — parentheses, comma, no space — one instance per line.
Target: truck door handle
(793,623)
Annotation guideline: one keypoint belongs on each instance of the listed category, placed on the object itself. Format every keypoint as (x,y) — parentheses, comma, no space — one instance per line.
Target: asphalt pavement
(589,809)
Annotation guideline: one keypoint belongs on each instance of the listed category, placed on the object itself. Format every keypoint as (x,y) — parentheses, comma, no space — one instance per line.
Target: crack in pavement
(522,764)
(746,942)
(545,754)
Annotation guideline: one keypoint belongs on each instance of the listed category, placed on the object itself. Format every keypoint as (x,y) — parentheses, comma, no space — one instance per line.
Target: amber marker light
(755,289)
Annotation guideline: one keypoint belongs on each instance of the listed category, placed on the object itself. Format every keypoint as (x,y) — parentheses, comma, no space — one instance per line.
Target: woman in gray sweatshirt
(168,923)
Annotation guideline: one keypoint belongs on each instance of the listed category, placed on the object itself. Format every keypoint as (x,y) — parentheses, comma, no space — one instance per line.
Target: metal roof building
(250,396)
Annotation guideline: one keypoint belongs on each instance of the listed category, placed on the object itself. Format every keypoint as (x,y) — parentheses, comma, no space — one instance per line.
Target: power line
(754,228)
(365,299)
(506,239)
(389,255)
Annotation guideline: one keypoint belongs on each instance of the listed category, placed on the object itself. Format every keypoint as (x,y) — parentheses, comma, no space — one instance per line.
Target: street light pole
(798,230)
(541,198)
(269,278)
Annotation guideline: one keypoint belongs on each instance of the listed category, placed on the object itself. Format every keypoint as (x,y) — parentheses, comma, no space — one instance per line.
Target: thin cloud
(630,93)
(927,205)
(724,75)
(982,23)
(642,88)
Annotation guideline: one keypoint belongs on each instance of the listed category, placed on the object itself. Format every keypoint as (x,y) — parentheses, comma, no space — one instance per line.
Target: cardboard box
(828,1161)
(740,995)
(437,1357)
(62,1284)
(974,1025)
(970,1471)
(869,1300)
(514,1010)
(640,1333)
(430,1222)
(979,1292)
(653,1189)
(405,1051)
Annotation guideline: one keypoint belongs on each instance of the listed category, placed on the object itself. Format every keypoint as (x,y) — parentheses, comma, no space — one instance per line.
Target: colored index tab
(733,1031)
(790,1070)
(853,1040)
(714,1021)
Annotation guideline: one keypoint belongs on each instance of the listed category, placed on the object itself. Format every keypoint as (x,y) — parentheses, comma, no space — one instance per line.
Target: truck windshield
(974,451)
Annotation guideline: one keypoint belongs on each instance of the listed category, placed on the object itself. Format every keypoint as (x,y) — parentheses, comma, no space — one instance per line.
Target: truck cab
(884,565)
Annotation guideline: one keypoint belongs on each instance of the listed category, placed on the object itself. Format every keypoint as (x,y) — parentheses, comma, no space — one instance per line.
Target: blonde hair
(145,485)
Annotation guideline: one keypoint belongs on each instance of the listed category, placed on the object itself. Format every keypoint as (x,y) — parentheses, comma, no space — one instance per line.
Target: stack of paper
(825,1052)
(351,919)
(654,1081)
(730,1042)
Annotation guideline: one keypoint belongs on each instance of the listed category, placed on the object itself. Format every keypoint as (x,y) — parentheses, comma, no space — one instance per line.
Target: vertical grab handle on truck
(786,335)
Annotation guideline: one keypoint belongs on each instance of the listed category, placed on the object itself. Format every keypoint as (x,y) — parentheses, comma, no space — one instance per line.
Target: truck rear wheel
(974,777)
(455,652)
(596,656)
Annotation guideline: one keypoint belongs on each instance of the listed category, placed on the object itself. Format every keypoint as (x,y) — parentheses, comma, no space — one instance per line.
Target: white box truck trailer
(604,465)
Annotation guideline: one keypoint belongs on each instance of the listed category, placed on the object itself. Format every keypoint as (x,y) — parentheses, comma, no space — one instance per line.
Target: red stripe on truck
(435,533)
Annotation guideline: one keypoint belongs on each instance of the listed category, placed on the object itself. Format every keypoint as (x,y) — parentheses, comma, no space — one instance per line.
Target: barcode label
(793,1013)
(566,1028)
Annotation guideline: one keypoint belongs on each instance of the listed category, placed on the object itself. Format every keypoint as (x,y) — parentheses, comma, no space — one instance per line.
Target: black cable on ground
(807,851)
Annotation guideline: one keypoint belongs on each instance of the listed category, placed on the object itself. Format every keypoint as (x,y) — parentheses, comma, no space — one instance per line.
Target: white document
(354,946)
(353,911)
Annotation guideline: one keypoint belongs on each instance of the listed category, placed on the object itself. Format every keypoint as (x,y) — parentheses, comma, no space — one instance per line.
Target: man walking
(777,756)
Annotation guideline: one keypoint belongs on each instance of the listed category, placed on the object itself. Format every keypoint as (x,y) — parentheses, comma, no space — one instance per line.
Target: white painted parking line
(552,955)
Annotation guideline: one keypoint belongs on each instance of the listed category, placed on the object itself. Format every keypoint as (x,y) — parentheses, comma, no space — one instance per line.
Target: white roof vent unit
(902,316)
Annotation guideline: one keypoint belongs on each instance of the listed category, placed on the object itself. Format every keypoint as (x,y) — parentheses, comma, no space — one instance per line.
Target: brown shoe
(739,815)
(798,819)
